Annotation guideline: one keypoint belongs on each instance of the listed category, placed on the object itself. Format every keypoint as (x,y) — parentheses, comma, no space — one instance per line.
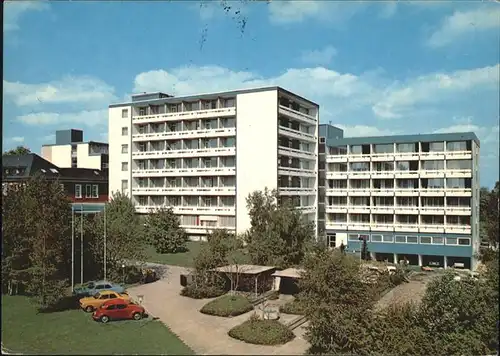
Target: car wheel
(104,319)
(137,316)
(89,309)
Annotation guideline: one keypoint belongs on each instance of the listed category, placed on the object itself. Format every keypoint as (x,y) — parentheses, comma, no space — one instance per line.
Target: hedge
(262,332)
(197,292)
(227,305)
(292,307)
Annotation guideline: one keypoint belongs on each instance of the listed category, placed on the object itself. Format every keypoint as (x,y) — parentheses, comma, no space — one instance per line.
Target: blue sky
(375,68)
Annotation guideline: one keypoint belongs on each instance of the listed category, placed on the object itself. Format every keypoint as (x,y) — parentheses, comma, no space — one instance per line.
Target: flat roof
(289,272)
(206,96)
(452,136)
(75,143)
(244,269)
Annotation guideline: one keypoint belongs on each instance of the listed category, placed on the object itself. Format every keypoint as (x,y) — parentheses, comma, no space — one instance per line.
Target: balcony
(382,209)
(336,225)
(295,153)
(432,192)
(380,226)
(459,173)
(210,133)
(381,157)
(296,191)
(432,228)
(298,135)
(382,174)
(406,210)
(203,152)
(382,192)
(297,115)
(185,191)
(406,174)
(336,209)
(458,210)
(214,210)
(458,192)
(336,159)
(187,115)
(439,156)
(406,192)
(222,171)
(359,174)
(432,210)
(401,227)
(359,209)
(458,229)
(359,158)
(307,209)
(432,173)
(458,155)
(407,156)
(359,192)
(298,172)
(336,191)
(355,225)
(336,175)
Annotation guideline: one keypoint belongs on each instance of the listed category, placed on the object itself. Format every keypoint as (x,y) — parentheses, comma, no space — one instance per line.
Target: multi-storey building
(204,154)
(413,197)
(70,151)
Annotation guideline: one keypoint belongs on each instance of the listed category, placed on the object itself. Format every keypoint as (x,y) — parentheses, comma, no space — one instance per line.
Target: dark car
(118,309)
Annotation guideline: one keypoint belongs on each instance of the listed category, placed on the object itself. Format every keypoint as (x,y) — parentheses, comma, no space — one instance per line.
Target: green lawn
(185,259)
(74,332)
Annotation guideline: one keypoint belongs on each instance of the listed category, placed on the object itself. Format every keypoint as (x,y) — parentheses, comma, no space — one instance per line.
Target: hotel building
(413,197)
(204,154)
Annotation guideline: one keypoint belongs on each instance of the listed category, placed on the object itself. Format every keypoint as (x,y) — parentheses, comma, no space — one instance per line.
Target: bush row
(262,332)
(201,292)
(227,305)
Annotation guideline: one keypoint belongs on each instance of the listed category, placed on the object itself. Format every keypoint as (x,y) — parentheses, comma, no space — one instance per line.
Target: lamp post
(123,273)
(105,262)
(81,244)
(72,248)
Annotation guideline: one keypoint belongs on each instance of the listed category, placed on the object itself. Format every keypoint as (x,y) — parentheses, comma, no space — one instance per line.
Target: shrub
(274,295)
(201,292)
(227,305)
(293,307)
(262,332)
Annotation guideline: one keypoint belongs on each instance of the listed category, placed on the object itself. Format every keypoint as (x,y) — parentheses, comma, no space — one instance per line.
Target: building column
(395,260)
(445,262)
(420,260)
(373,256)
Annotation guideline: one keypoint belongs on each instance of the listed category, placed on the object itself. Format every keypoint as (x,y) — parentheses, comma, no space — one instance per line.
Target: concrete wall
(115,124)
(83,158)
(59,155)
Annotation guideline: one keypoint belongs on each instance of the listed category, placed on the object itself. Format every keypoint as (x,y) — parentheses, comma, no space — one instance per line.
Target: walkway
(204,334)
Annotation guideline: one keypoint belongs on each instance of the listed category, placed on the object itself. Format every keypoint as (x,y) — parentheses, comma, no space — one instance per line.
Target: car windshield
(97,295)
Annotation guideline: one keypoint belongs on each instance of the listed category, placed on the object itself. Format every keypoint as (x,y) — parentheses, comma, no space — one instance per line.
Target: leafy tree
(279,236)
(164,232)
(124,235)
(36,229)
(489,214)
(19,150)
(337,303)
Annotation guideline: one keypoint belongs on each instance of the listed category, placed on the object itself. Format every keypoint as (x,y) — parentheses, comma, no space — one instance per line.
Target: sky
(378,68)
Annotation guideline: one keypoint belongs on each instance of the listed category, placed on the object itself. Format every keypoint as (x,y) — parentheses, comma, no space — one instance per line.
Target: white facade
(77,155)
(203,155)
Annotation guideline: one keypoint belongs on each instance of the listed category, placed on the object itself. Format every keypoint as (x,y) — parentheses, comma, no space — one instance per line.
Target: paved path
(204,334)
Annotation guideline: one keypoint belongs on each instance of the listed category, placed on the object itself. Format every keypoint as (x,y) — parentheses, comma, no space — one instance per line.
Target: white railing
(297,134)
(223,132)
(406,156)
(184,190)
(298,115)
(184,171)
(296,171)
(297,190)
(212,210)
(287,151)
(185,115)
(185,153)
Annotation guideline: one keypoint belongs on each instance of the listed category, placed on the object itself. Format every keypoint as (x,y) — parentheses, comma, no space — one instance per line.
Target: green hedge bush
(262,332)
(199,292)
(292,307)
(227,305)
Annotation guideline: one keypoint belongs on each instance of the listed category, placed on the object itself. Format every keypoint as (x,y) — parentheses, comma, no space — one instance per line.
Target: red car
(118,309)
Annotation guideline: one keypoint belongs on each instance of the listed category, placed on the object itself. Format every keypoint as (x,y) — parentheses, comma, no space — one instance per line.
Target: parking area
(204,334)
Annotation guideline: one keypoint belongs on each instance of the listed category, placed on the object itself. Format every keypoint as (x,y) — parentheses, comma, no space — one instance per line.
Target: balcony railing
(297,134)
(183,172)
(187,115)
(219,151)
(184,190)
(176,135)
(297,115)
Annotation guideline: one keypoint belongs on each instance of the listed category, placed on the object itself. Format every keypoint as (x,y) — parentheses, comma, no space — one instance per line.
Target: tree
(489,214)
(337,303)
(19,150)
(279,235)
(36,228)
(164,232)
(124,235)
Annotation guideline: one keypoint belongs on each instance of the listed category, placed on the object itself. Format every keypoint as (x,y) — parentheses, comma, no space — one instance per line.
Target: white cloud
(18,139)
(285,12)
(13,10)
(79,90)
(321,56)
(364,130)
(89,118)
(398,100)
(462,23)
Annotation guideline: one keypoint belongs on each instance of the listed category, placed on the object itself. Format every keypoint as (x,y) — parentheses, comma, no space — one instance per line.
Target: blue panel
(88,208)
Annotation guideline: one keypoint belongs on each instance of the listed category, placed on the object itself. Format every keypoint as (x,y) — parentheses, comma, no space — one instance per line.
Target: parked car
(118,309)
(92,287)
(89,304)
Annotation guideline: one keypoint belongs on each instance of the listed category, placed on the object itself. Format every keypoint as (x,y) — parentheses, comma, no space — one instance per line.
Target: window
(124,166)
(331,238)
(111,307)
(355,150)
(124,185)
(383,148)
(99,286)
(464,241)
(456,146)
(124,148)
(425,239)
(88,191)
(438,240)
(388,238)
(124,131)
(456,164)
(353,237)
(121,306)
(412,239)
(111,296)
(104,296)
(376,238)
(78,191)
(124,113)
(95,191)
(451,241)
(400,239)
(432,165)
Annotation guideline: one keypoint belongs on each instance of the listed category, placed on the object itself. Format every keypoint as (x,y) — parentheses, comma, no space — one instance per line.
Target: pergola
(293,273)
(254,271)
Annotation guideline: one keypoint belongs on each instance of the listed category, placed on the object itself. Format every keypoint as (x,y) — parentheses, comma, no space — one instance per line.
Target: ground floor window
(332,240)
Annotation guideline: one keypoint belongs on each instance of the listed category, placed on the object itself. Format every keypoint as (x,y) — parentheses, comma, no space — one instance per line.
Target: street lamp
(123,274)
